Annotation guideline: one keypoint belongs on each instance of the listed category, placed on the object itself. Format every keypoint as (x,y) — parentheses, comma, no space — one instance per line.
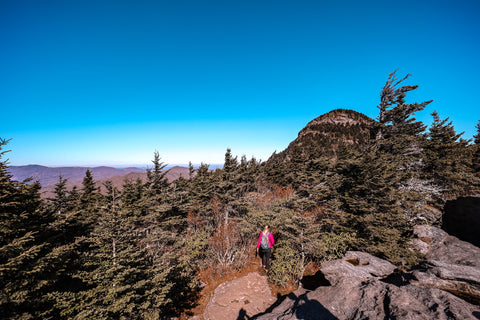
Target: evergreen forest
(136,252)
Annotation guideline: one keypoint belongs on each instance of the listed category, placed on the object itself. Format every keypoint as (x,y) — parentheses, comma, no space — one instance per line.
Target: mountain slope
(327,134)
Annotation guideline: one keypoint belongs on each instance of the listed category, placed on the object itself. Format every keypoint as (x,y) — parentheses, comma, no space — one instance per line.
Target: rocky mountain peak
(328,133)
(341,117)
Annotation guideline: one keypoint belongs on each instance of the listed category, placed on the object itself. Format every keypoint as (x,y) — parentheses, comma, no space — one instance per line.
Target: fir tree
(157,178)
(88,202)
(132,192)
(448,161)
(476,151)
(395,113)
(23,224)
(89,192)
(61,200)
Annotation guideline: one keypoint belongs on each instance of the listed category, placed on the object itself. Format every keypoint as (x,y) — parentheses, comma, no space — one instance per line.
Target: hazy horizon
(138,166)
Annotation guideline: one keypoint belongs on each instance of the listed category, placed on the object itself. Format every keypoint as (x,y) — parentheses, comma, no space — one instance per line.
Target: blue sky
(109,82)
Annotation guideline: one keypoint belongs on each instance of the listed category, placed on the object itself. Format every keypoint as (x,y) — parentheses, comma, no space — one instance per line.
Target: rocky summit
(327,134)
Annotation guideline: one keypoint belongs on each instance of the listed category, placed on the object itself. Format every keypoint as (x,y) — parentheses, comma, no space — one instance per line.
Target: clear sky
(94,82)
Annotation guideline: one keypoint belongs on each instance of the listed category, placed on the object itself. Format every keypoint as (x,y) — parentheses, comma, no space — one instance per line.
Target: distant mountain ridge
(49,176)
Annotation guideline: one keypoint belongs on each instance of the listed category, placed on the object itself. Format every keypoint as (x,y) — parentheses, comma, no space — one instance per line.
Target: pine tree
(476,151)
(379,186)
(132,192)
(115,268)
(448,161)
(88,202)
(89,192)
(157,178)
(61,200)
(23,229)
(395,113)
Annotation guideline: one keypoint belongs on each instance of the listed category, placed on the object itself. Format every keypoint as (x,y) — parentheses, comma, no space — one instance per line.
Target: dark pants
(266,257)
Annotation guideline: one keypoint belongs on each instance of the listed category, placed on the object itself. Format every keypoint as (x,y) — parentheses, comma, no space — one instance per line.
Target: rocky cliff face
(327,134)
(360,286)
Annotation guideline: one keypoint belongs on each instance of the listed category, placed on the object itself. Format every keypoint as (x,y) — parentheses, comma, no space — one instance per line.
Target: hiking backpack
(264,241)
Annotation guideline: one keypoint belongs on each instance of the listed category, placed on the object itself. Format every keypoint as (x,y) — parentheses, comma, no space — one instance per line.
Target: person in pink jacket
(265,244)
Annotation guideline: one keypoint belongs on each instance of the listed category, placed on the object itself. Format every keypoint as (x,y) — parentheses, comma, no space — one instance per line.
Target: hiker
(265,243)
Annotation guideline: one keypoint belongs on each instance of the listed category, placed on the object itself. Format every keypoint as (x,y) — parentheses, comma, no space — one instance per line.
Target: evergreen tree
(191,170)
(88,204)
(201,186)
(448,161)
(132,192)
(379,186)
(89,192)
(395,114)
(23,276)
(476,151)
(61,200)
(157,178)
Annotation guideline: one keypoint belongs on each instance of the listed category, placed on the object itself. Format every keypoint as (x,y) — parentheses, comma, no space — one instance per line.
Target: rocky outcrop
(438,245)
(242,297)
(452,265)
(327,134)
(356,267)
(445,286)
(462,281)
(360,286)
(372,299)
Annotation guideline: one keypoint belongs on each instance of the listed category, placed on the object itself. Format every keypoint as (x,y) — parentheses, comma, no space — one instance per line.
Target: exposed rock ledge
(445,286)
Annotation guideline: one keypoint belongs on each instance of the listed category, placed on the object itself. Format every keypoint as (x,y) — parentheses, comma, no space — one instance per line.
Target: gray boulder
(372,299)
(452,265)
(356,266)
(362,289)
(438,245)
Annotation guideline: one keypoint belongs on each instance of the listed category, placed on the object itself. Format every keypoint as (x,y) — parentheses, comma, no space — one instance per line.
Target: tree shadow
(307,309)
(399,278)
(303,308)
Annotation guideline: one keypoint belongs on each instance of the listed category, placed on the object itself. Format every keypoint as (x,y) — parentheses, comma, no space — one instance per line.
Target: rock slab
(356,266)
(373,300)
(452,265)
(366,287)
(240,298)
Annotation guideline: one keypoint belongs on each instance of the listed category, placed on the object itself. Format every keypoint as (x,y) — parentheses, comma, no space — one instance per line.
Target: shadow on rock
(314,281)
(312,309)
(301,308)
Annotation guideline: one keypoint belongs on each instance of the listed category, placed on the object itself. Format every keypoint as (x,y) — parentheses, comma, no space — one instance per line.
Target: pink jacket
(271,241)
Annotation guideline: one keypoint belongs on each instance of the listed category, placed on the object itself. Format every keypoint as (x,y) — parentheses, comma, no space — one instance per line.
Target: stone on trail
(241,297)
